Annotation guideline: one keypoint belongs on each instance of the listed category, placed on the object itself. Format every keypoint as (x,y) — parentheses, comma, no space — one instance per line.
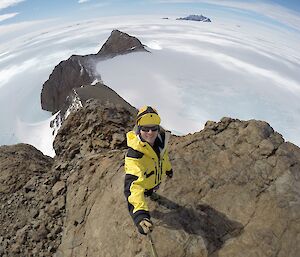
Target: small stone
(117,139)
(58,188)
(41,233)
(35,213)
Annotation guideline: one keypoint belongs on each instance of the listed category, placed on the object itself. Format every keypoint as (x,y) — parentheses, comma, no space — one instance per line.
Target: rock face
(96,127)
(67,75)
(103,94)
(80,71)
(31,216)
(120,43)
(247,172)
(235,191)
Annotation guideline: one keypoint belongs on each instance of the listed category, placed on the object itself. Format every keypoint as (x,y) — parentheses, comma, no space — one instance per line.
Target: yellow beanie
(147,116)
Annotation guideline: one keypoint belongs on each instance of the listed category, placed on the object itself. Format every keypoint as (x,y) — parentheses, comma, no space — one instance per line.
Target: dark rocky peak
(104,95)
(120,43)
(68,74)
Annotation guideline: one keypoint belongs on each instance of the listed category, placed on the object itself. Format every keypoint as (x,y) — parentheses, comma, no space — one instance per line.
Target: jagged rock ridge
(68,74)
(80,71)
(234,192)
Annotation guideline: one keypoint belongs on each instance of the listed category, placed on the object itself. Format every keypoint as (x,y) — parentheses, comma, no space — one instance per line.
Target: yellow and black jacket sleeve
(133,189)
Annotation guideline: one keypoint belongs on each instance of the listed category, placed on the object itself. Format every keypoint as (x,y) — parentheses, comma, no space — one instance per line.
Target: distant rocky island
(195,18)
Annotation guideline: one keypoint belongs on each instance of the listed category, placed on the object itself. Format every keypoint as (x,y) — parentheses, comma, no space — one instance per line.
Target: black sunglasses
(147,129)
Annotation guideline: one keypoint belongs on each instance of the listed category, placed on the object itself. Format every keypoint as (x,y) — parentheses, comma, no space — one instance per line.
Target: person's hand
(169,173)
(145,226)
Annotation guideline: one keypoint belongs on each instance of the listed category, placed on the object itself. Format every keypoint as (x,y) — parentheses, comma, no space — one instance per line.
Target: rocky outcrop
(96,127)
(68,74)
(80,71)
(234,193)
(244,170)
(103,94)
(120,43)
(235,190)
(32,203)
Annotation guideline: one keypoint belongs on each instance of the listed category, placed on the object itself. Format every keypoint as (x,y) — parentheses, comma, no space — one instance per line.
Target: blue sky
(15,11)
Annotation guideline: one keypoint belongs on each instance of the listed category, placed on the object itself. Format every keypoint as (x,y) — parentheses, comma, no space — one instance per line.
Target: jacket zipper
(157,171)
(155,174)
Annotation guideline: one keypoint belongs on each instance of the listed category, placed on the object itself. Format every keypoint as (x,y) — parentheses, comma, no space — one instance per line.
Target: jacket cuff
(140,215)
(169,173)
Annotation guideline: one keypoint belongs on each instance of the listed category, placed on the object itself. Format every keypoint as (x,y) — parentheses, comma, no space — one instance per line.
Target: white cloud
(37,134)
(154,45)
(8,73)
(234,64)
(274,11)
(7,16)
(82,1)
(7,3)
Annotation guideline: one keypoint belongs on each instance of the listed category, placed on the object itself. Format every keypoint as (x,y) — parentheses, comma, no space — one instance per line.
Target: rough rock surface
(68,74)
(80,71)
(103,94)
(91,129)
(31,217)
(120,43)
(235,191)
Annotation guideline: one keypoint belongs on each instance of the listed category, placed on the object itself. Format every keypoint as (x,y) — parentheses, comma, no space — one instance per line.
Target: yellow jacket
(145,167)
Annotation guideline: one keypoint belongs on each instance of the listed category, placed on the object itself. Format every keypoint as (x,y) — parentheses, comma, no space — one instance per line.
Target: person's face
(149,133)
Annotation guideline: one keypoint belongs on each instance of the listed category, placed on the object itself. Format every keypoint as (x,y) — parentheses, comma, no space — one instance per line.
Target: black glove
(145,226)
(169,173)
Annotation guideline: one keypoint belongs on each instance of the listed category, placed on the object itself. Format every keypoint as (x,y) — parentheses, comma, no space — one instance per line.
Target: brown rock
(229,194)
(120,43)
(117,139)
(66,75)
(103,121)
(23,174)
(58,188)
(234,193)
(40,233)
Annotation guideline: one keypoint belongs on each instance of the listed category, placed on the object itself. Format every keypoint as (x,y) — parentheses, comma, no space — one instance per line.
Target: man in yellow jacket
(146,164)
